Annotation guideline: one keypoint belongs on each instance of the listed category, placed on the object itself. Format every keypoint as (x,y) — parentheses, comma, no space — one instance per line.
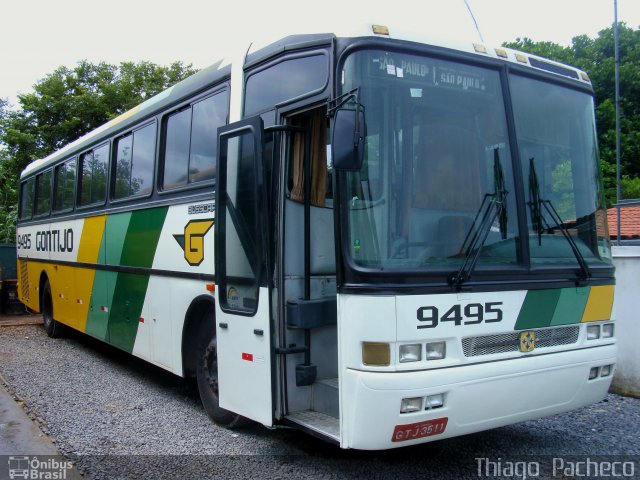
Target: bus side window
(43,193)
(27,193)
(134,162)
(93,176)
(64,186)
(190,147)
(293,77)
(208,115)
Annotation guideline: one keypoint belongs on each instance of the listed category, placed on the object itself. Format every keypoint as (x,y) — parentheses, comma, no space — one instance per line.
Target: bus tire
(207,376)
(51,326)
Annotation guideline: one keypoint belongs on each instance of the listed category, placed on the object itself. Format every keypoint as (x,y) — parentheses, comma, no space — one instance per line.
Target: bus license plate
(402,433)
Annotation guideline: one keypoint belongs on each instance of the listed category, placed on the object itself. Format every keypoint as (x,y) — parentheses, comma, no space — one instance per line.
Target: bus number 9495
(470,314)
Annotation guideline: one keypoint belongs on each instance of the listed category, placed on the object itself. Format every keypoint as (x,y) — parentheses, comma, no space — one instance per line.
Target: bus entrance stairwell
(310,313)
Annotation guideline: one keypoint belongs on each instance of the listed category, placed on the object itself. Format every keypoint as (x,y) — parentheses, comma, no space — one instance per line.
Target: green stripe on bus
(101,296)
(128,298)
(571,305)
(142,237)
(116,232)
(113,240)
(97,317)
(130,290)
(538,309)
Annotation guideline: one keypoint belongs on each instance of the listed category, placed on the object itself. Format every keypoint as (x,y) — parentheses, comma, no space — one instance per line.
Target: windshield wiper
(540,224)
(536,201)
(492,208)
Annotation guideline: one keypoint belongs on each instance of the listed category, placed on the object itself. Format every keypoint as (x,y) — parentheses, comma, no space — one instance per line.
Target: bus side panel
(99,305)
(102,291)
(139,231)
(64,303)
(67,238)
(136,311)
(159,338)
(185,245)
(32,245)
(91,247)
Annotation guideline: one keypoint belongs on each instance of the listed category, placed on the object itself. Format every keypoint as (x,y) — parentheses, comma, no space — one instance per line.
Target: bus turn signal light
(376,354)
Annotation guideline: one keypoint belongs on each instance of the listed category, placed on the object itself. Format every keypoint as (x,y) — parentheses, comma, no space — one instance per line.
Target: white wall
(626,309)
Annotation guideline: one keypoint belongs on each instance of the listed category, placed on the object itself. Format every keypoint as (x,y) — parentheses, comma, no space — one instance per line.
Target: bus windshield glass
(437,183)
(436,157)
(559,159)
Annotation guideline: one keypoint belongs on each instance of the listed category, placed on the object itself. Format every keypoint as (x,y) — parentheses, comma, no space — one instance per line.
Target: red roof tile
(629,222)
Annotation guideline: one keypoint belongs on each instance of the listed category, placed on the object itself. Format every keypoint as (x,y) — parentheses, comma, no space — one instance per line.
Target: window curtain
(317,124)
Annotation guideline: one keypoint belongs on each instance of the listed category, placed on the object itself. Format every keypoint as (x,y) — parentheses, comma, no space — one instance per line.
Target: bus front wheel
(207,378)
(51,326)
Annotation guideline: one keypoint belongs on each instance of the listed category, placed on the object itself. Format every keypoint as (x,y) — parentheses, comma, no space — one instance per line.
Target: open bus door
(242,294)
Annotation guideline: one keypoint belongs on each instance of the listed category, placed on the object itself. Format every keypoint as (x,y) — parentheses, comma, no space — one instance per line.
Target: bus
(376,239)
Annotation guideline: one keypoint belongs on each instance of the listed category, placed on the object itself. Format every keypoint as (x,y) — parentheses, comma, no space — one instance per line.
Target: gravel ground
(116,416)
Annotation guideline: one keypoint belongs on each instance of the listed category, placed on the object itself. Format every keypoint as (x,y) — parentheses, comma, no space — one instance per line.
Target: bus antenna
(473,17)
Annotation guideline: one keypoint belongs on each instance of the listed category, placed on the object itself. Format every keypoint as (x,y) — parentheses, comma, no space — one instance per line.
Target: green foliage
(630,187)
(609,181)
(62,107)
(596,57)
(8,201)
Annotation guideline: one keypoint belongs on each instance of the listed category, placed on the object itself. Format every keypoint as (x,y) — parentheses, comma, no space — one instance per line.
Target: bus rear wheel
(207,378)
(51,326)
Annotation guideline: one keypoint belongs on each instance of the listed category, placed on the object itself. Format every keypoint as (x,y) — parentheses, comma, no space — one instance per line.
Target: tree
(65,105)
(596,57)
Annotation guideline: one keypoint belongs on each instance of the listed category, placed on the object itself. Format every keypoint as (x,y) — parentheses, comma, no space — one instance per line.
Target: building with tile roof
(629,222)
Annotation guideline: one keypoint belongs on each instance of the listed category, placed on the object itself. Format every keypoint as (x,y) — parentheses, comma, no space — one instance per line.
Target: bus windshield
(559,160)
(438,170)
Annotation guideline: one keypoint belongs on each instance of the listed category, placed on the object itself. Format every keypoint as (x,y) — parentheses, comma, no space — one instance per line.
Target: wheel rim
(211,367)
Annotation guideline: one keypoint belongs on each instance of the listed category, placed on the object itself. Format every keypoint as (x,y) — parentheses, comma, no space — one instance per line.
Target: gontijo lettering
(54,241)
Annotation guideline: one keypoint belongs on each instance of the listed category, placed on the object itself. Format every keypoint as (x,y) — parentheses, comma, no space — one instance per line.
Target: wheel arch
(44,278)
(194,320)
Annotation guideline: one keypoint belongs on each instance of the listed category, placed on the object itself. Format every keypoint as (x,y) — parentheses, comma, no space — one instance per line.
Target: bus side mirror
(347,143)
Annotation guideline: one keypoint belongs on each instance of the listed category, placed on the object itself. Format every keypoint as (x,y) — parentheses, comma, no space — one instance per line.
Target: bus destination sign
(430,72)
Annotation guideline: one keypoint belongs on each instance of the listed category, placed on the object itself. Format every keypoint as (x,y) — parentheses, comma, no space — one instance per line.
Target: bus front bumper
(475,397)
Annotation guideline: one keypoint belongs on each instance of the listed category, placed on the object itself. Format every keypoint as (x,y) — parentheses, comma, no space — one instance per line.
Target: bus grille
(510,342)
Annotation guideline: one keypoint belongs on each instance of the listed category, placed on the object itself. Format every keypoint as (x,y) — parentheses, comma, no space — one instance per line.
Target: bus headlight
(434,401)
(593,332)
(376,354)
(410,353)
(409,405)
(607,330)
(436,350)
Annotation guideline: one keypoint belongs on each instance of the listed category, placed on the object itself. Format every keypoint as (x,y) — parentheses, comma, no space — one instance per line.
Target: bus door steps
(317,423)
(325,397)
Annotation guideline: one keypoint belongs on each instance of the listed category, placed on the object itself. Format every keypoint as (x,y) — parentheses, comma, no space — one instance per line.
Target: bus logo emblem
(192,241)
(527,341)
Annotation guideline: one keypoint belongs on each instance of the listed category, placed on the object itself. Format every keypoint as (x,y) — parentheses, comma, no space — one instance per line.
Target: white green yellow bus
(380,240)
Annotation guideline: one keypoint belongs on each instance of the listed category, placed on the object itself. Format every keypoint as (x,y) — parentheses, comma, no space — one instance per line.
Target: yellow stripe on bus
(600,304)
(91,240)
(88,252)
